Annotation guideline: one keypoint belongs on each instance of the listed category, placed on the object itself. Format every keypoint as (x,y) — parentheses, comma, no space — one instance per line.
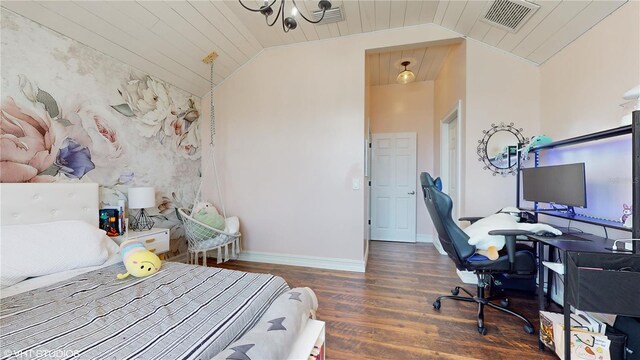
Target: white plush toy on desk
(506,219)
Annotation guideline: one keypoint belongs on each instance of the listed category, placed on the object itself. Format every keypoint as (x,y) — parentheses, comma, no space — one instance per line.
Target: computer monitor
(558,184)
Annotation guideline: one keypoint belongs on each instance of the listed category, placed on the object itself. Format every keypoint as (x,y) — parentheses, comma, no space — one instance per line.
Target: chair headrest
(426,180)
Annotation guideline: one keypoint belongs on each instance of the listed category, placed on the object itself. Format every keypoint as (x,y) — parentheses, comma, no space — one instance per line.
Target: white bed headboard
(28,203)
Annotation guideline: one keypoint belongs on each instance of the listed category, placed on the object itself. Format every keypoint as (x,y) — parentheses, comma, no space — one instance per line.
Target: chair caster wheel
(455,291)
(528,329)
(436,304)
(504,303)
(482,330)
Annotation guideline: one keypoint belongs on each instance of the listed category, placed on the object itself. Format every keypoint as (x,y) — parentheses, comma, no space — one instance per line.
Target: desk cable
(615,244)
(569,228)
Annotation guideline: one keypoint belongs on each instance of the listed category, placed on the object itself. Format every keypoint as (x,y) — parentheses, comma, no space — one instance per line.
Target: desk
(566,243)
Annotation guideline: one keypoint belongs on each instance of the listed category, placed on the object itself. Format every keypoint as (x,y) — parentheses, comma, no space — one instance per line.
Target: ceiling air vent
(509,15)
(332,15)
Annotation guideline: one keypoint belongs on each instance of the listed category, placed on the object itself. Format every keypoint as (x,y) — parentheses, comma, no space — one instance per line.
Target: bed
(181,312)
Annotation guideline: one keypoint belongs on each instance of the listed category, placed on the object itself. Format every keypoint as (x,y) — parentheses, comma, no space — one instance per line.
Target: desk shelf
(622,130)
(586,219)
(634,130)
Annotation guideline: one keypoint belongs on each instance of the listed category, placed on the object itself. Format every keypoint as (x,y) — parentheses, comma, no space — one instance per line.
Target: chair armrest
(510,238)
(470,219)
(512,232)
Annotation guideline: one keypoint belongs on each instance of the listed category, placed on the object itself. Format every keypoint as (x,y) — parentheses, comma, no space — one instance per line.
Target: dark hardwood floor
(386,313)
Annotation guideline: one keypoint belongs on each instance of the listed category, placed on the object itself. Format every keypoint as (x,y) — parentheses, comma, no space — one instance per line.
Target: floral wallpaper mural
(70,113)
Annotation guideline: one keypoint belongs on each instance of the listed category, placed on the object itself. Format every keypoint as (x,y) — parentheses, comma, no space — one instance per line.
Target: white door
(452,176)
(393,187)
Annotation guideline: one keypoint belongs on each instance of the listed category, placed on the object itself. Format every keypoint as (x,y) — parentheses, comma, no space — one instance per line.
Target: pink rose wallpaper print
(70,113)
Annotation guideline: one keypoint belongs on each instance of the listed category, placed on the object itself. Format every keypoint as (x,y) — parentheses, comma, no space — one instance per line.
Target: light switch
(355,184)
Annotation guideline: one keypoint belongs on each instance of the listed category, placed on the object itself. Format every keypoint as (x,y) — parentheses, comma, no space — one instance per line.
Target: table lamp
(142,198)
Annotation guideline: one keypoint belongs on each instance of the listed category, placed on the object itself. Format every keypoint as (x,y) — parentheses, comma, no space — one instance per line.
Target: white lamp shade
(142,197)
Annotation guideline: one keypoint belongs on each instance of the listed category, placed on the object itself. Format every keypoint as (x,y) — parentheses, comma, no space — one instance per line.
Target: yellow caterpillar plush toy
(138,260)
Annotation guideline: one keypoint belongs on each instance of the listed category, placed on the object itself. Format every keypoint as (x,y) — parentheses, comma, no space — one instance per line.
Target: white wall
(450,88)
(291,124)
(450,84)
(291,147)
(408,108)
(582,86)
(581,90)
(499,88)
(494,87)
(290,140)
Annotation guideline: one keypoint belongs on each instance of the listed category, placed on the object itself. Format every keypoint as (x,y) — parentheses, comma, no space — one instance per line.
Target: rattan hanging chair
(202,238)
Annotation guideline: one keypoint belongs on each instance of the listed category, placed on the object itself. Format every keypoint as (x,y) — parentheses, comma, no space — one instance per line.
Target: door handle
(412,192)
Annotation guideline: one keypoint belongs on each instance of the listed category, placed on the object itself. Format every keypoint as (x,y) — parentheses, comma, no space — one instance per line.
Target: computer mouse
(548,234)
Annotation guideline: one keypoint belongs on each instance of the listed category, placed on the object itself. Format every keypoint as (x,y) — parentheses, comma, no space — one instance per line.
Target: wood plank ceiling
(168,38)
(383,67)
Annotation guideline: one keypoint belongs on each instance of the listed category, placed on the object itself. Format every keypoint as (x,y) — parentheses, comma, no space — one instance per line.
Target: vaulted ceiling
(168,39)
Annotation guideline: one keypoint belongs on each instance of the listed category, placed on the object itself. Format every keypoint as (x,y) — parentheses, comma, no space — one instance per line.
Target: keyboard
(568,234)
(570,237)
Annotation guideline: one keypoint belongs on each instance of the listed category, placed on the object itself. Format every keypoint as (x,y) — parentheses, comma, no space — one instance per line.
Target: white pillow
(232,225)
(42,249)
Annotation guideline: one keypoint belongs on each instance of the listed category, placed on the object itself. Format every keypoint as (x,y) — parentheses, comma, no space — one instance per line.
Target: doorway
(393,186)
(450,156)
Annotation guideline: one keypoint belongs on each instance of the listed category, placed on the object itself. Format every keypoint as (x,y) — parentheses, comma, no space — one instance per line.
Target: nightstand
(155,240)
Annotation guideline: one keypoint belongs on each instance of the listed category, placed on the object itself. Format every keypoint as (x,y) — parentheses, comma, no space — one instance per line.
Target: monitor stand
(569,210)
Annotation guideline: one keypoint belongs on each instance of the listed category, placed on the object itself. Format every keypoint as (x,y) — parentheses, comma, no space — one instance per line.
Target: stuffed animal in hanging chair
(207,214)
(138,260)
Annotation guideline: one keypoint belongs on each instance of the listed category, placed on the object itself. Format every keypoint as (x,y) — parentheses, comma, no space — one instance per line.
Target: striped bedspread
(181,312)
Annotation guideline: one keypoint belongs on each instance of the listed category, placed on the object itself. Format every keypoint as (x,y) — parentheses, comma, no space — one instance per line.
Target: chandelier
(288,22)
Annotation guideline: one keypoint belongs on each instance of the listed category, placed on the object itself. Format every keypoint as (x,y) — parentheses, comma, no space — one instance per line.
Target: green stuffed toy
(537,140)
(207,214)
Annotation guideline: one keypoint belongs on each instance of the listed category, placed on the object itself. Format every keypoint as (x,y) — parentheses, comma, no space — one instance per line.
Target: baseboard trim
(302,260)
(382,238)
(424,238)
